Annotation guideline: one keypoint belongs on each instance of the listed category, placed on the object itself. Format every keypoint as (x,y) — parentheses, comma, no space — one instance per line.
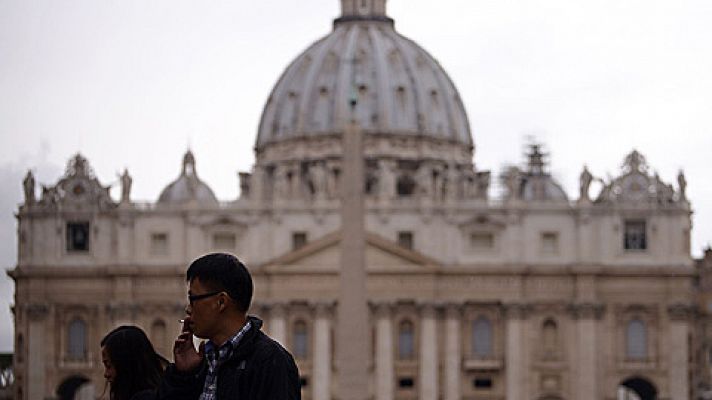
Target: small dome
(543,188)
(537,184)
(398,87)
(188,187)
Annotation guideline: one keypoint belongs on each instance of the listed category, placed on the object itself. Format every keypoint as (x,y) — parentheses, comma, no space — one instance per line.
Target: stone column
(385,376)
(453,352)
(35,380)
(586,382)
(515,357)
(278,323)
(679,368)
(322,353)
(428,363)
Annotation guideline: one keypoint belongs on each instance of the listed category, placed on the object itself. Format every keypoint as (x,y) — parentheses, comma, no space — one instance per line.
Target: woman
(132,368)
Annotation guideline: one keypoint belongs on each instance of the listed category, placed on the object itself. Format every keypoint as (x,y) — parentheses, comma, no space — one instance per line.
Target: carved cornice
(429,309)
(680,312)
(122,310)
(382,309)
(323,309)
(37,311)
(517,310)
(276,309)
(587,310)
(453,310)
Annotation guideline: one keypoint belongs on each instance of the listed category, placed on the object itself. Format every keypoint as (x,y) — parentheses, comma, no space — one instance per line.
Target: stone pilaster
(322,352)
(385,376)
(278,323)
(453,351)
(515,352)
(428,363)
(35,380)
(586,316)
(679,330)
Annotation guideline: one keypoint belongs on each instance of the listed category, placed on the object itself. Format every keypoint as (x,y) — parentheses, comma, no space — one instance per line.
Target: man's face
(204,312)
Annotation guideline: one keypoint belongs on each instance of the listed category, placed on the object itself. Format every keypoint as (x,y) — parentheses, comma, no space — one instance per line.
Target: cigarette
(182,321)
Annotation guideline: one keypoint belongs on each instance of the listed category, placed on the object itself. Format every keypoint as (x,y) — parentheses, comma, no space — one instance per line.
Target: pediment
(225,221)
(77,190)
(484,221)
(324,256)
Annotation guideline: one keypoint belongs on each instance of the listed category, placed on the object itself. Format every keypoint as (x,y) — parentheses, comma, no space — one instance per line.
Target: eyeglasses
(195,297)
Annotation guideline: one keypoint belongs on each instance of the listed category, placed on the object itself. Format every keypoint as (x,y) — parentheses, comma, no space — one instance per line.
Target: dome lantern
(189,164)
(363,8)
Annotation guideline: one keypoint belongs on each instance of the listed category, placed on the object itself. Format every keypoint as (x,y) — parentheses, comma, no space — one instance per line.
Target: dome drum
(375,145)
(429,180)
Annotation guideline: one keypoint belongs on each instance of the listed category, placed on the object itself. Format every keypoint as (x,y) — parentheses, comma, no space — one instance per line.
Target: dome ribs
(420,108)
(310,88)
(383,94)
(402,90)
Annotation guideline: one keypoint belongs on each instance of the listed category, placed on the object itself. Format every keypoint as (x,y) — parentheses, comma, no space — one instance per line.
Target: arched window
(482,338)
(77,340)
(406,341)
(636,340)
(550,337)
(300,340)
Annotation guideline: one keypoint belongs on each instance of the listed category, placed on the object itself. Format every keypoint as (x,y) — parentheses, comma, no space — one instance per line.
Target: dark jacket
(148,394)
(258,369)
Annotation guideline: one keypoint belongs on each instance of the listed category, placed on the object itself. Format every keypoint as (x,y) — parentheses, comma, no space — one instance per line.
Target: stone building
(529,296)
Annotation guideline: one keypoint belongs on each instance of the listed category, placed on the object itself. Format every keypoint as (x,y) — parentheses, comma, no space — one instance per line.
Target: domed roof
(187,188)
(537,184)
(399,88)
(543,188)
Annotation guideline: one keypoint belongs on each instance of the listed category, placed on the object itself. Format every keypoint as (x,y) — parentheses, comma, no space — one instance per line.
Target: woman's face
(109,371)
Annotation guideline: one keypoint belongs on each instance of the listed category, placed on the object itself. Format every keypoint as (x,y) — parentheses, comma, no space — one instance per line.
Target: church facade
(529,295)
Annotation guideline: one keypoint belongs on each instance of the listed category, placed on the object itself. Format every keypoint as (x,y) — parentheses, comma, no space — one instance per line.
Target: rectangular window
(299,240)
(406,382)
(405,240)
(634,237)
(224,241)
(159,244)
(78,236)
(482,241)
(482,383)
(549,242)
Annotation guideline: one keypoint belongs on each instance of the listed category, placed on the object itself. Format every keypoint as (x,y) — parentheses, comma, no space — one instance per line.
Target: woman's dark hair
(138,367)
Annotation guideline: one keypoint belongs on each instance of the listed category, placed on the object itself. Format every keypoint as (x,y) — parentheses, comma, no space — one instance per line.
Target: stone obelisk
(353,335)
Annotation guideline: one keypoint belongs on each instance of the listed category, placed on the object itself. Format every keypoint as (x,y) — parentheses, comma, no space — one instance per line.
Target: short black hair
(222,271)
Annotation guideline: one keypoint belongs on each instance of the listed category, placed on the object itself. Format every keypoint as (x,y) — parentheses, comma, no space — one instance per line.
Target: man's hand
(184,354)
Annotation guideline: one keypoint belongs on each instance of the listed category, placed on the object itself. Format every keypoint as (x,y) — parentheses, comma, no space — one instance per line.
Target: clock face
(78,190)
(635,187)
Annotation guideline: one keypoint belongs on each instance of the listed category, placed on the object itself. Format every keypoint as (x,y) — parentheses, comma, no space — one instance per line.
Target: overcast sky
(133,83)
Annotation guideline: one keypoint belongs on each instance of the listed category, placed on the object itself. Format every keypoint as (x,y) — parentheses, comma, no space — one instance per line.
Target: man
(238,361)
